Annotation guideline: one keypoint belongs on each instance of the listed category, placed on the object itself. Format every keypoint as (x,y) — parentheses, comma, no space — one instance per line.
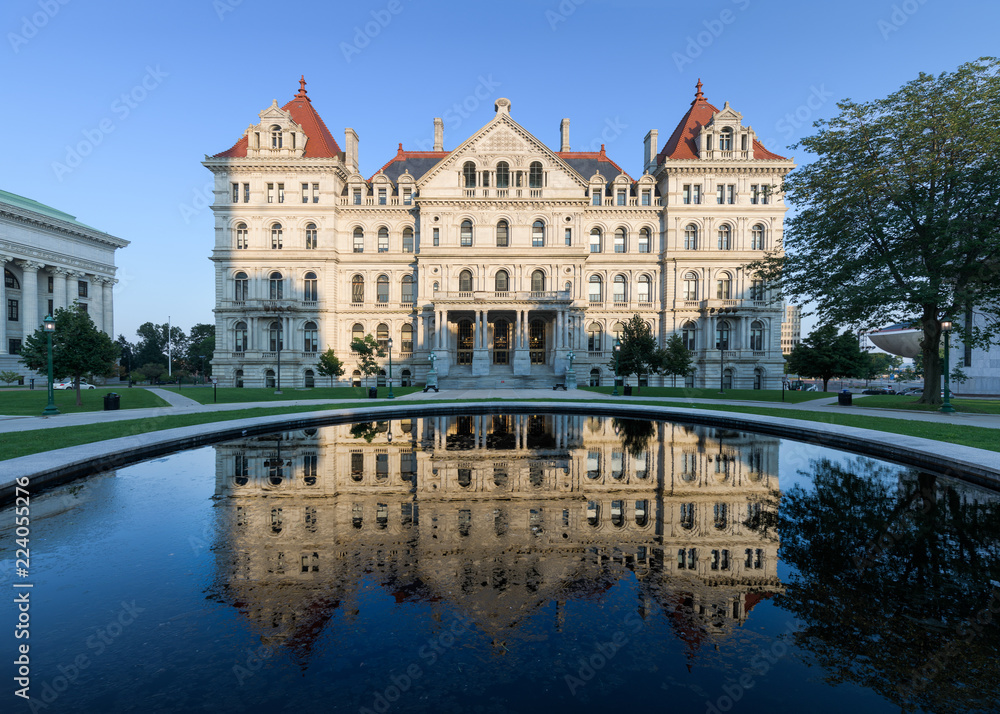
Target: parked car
(70,385)
(912,392)
(878,390)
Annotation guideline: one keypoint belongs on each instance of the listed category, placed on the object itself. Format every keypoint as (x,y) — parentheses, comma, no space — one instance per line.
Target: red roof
(681,144)
(403,155)
(321,143)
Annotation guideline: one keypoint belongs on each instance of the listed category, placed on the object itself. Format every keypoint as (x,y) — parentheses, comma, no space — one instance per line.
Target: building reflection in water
(498,516)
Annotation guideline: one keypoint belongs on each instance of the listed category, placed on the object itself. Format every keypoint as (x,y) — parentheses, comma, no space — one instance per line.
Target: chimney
(438,134)
(651,148)
(351,149)
(564,135)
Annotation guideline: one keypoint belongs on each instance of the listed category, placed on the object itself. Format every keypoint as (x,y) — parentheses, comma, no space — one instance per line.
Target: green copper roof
(26,203)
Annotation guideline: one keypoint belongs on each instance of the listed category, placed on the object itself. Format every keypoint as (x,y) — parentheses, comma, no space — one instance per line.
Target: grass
(32,402)
(749,395)
(968,406)
(233,395)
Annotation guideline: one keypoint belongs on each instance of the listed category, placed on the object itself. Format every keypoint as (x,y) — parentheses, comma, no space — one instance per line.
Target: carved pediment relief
(276,136)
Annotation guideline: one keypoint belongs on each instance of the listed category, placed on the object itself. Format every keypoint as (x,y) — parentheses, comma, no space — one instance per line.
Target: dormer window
(503,175)
(535,175)
(469,172)
(726,139)
(276,137)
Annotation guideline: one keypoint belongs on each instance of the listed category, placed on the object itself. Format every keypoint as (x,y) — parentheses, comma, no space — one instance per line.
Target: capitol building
(506,260)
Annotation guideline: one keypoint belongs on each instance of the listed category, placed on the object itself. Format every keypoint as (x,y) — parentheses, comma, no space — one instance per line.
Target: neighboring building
(791,328)
(500,257)
(50,261)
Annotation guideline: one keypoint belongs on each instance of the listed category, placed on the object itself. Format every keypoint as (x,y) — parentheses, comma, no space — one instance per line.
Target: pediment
(727,115)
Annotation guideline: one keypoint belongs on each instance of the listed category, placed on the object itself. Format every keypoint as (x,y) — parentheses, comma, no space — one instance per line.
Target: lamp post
(618,351)
(49,325)
(947,408)
(391,395)
(278,390)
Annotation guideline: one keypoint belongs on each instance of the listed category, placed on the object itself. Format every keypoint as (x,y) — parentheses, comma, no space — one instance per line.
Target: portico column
(3,304)
(109,314)
(517,330)
(29,289)
(97,301)
(59,288)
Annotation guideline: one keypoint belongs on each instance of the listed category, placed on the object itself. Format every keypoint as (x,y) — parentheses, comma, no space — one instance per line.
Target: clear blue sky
(616,69)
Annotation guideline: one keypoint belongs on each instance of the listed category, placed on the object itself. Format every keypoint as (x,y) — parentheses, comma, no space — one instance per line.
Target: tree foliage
(878,364)
(368,352)
(200,343)
(674,359)
(330,365)
(638,349)
(9,376)
(899,215)
(824,354)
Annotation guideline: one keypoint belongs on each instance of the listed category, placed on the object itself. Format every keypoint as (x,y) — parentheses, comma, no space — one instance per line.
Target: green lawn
(749,395)
(32,402)
(889,401)
(232,395)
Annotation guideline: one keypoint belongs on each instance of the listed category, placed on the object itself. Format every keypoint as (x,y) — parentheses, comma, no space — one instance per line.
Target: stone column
(29,294)
(97,302)
(59,288)
(517,330)
(3,304)
(109,314)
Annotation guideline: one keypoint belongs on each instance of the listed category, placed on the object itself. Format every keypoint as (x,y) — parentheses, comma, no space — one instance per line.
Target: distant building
(50,260)
(791,328)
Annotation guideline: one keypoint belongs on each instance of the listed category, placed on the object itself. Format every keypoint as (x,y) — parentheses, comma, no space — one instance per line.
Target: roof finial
(302,88)
(698,96)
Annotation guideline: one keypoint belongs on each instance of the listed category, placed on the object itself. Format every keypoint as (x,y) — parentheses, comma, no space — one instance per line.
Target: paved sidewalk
(174,399)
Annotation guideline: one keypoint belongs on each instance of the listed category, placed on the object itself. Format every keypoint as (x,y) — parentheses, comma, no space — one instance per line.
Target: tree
(330,365)
(879,363)
(8,376)
(201,343)
(638,349)
(900,212)
(151,371)
(367,349)
(126,358)
(824,354)
(674,359)
(78,348)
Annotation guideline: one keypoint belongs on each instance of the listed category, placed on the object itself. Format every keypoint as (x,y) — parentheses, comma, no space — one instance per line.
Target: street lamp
(391,395)
(618,351)
(947,408)
(49,325)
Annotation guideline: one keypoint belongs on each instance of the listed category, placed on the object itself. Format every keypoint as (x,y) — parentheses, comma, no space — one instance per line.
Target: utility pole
(170,358)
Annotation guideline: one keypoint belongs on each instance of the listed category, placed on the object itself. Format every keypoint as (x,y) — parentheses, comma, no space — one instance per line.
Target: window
(382,289)
(595,292)
(276,236)
(465,281)
(242,237)
(383,240)
(535,175)
(595,194)
(12,310)
(382,335)
(536,342)
(757,237)
(359,240)
(688,333)
(270,193)
(81,288)
(757,336)
(537,281)
(465,341)
(311,341)
(305,193)
(407,196)
(720,193)
(310,291)
(52,286)
(691,237)
(569,236)
(725,193)
(595,377)
(276,286)
(437,236)
(644,240)
(690,286)
(281,193)
(274,336)
(241,286)
(315,193)
(240,337)
(620,240)
(757,289)
(465,234)
(14,346)
(246,193)
(620,197)
(595,240)
(276,137)
(731,194)
(503,175)
(696,194)
(646,197)
(407,240)
(357,289)
(759,193)
(502,282)
(645,289)
(236,193)
(618,294)
(406,339)
(726,139)
(311,236)
(381,196)
(722,336)
(724,287)
(357,332)
(725,238)
(503,234)
(406,294)
(686,193)
(469,172)
(357,196)
(538,234)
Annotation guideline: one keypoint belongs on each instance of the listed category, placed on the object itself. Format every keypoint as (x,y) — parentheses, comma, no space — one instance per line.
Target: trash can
(628,390)
(844,398)
(112,402)
(32,384)
(373,392)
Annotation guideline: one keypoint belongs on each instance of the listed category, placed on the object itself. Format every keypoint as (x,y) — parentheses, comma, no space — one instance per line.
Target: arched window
(275,137)
(275,341)
(727,378)
(595,240)
(406,338)
(240,337)
(595,292)
(726,139)
(276,236)
(618,291)
(595,338)
(10,280)
(503,234)
(617,329)
(722,336)
(757,336)
(382,289)
(355,382)
(241,286)
(502,282)
(725,238)
(503,174)
(310,382)
(691,237)
(357,332)
(406,293)
(466,233)
(465,281)
(724,287)
(241,236)
(357,289)
(383,240)
(310,287)
(311,238)
(645,238)
(757,289)
(538,234)
(382,335)
(276,286)
(269,379)
(688,334)
(311,341)
(619,240)
(469,172)
(537,281)
(359,240)
(757,237)
(407,240)
(691,286)
(758,378)
(535,175)
(595,377)
(645,289)
(238,379)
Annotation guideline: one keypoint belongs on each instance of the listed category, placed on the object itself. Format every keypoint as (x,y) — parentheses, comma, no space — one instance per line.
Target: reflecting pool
(514,563)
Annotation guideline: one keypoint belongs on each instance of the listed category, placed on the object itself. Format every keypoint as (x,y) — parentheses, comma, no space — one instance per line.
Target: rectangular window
(246,193)
(14,346)
(381,196)
(686,193)
(383,241)
(51,284)
(359,241)
(281,193)
(696,193)
(82,307)
(596,197)
(236,193)
(407,197)
(81,288)
(357,197)
(270,193)
(305,193)
(437,236)
(731,193)
(12,310)
(646,198)
(569,236)
(720,194)
(754,193)
(315,193)
(621,198)
(50,312)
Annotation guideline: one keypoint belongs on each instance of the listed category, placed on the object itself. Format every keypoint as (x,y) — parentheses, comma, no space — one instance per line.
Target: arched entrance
(466,341)
(501,342)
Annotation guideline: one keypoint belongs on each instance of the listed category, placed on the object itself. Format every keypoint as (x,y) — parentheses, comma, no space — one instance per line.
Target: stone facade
(503,259)
(791,328)
(50,261)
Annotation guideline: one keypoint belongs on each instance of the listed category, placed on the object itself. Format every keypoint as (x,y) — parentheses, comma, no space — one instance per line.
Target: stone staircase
(500,377)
